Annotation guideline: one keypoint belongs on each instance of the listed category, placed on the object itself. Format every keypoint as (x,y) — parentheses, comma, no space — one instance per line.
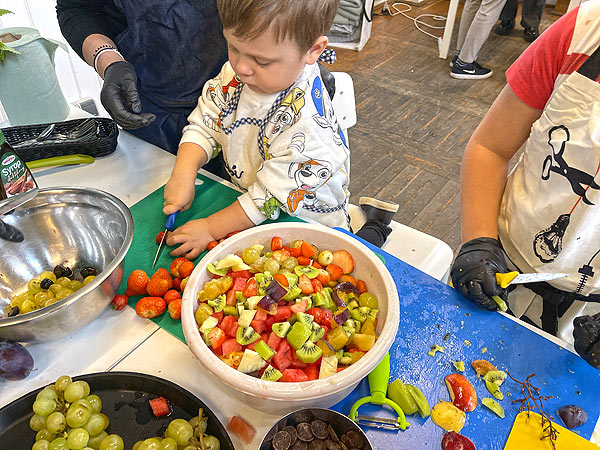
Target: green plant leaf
(5,11)
(6,48)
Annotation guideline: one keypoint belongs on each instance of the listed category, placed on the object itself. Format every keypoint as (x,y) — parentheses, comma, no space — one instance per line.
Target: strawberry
(281,279)
(150,307)
(175,309)
(160,236)
(305,284)
(324,277)
(160,406)
(212,244)
(137,282)
(344,260)
(165,275)
(186,268)
(362,286)
(317,286)
(251,288)
(177,284)
(294,251)
(281,255)
(276,243)
(174,267)
(119,302)
(171,295)
(334,271)
(307,250)
(348,278)
(304,260)
(157,287)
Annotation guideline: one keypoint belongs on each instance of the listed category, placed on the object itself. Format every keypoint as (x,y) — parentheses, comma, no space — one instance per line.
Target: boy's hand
(474,271)
(586,333)
(194,237)
(179,194)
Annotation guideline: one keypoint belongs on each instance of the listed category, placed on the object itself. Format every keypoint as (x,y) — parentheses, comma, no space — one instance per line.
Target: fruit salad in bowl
(290,314)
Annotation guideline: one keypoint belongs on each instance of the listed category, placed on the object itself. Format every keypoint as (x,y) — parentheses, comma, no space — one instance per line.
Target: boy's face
(265,65)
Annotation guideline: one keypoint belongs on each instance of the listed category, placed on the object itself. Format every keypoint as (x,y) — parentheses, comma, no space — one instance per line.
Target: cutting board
(526,433)
(211,196)
(434,313)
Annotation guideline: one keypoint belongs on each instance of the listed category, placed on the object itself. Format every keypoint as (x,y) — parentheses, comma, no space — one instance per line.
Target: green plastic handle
(64,160)
(378,381)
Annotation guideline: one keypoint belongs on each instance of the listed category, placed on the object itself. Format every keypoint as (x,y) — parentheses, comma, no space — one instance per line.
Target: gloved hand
(119,96)
(474,271)
(328,80)
(586,333)
(10,233)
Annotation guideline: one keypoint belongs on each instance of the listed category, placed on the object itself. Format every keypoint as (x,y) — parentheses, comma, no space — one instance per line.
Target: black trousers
(530,15)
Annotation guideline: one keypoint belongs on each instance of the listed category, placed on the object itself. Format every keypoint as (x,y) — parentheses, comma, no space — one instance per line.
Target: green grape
(95,402)
(41,297)
(136,446)
(63,293)
(44,407)
(78,438)
(95,441)
(249,255)
(47,393)
(27,306)
(211,443)
(76,391)
(106,420)
(49,275)
(289,263)
(55,288)
(88,279)
(59,444)
(78,415)
(169,444)
(368,300)
(51,301)
(63,281)
(56,422)
(151,444)
(189,447)
(95,425)
(112,442)
(271,265)
(74,285)
(34,286)
(258,265)
(40,445)
(84,402)
(62,382)
(180,430)
(37,423)
(44,435)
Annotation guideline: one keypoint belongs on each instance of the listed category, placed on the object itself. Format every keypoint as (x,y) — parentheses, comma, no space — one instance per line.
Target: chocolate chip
(282,440)
(330,445)
(319,429)
(299,445)
(332,434)
(304,432)
(317,445)
(343,446)
(354,439)
(292,432)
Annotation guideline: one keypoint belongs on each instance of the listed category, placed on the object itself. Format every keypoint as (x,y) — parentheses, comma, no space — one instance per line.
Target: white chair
(427,253)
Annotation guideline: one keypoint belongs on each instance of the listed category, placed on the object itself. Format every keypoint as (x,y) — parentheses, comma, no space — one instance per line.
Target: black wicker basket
(104,143)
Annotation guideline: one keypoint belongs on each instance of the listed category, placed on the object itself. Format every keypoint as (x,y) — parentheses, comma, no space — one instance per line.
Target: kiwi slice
(309,271)
(494,390)
(494,406)
(309,352)
(298,335)
(281,329)
(339,354)
(398,392)
(304,318)
(246,335)
(212,269)
(346,359)
(271,374)
(361,313)
(353,304)
(218,303)
(495,376)
(317,332)
(420,400)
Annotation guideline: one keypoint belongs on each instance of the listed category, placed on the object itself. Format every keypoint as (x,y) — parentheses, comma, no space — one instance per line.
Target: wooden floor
(414,120)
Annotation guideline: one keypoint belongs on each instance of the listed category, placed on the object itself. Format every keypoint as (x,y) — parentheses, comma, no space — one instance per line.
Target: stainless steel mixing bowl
(78,227)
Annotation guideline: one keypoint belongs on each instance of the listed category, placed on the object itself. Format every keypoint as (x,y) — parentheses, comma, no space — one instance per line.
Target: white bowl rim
(290,391)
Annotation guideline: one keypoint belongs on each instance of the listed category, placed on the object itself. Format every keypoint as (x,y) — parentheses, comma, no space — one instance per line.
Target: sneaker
(505,27)
(469,71)
(454,60)
(378,210)
(530,34)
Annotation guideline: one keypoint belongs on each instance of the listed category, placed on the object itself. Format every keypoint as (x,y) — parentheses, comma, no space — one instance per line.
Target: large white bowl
(284,397)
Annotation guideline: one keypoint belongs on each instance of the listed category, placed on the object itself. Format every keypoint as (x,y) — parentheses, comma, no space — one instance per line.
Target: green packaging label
(14,175)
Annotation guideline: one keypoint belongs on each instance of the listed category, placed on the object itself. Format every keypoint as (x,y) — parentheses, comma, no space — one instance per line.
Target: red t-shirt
(554,55)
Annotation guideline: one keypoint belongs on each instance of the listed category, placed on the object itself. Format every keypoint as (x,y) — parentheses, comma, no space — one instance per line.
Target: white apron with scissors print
(549,218)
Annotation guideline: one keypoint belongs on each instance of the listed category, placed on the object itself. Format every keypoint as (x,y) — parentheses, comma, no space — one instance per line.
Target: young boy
(272,118)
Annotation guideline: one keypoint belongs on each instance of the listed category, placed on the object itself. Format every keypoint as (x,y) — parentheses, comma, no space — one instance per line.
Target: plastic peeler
(169,226)
(378,383)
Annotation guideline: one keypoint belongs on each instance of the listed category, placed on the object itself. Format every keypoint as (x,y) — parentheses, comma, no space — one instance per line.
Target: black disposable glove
(328,80)
(10,233)
(119,96)
(474,271)
(586,333)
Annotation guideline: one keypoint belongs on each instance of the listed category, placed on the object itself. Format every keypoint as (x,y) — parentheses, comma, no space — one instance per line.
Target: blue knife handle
(170,225)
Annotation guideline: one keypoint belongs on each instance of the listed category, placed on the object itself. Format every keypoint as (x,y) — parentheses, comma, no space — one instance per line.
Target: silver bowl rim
(364,435)
(108,270)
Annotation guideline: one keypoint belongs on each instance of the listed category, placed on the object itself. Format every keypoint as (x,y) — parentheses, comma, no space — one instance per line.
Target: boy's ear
(313,53)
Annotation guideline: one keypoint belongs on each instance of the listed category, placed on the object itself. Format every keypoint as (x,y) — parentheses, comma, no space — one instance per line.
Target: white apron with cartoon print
(549,218)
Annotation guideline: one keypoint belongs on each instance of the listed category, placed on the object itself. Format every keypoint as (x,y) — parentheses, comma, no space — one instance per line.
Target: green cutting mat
(211,196)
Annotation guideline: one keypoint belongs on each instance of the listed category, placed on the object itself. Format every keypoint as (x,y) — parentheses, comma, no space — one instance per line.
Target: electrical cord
(415,20)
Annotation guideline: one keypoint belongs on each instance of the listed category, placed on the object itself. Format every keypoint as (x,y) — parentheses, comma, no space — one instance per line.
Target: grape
(44,435)
(44,407)
(55,288)
(62,383)
(78,415)
(63,293)
(34,285)
(106,421)
(250,255)
(56,422)
(49,275)
(95,441)
(76,391)
(15,361)
(169,444)
(47,393)
(74,285)
(95,425)
(95,402)
(27,306)
(41,297)
(63,281)
(136,446)
(37,423)
(180,430)
(112,442)
(368,300)
(211,443)
(258,265)
(289,263)
(271,265)
(40,445)
(151,444)
(59,444)
(87,279)
(78,438)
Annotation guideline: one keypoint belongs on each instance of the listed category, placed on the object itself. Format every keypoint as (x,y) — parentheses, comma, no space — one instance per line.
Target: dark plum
(15,361)
(573,416)
(14,311)
(46,283)
(88,271)
(63,271)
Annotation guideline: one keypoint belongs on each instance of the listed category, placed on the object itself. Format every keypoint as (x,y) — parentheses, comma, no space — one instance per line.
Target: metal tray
(124,398)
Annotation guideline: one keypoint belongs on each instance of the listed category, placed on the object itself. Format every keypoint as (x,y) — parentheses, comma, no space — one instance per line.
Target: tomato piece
(251,288)
(281,279)
(242,428)
(276,243)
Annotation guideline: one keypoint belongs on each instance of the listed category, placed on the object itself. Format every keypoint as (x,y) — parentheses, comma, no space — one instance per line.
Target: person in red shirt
(544,216)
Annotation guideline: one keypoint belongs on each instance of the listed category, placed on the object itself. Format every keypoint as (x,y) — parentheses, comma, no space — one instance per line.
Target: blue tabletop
(433,313)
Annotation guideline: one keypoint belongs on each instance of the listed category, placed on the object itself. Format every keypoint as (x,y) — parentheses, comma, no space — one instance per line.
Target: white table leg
(447,38)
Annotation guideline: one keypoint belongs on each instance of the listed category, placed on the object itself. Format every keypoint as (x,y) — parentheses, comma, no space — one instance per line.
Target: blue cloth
(175,47)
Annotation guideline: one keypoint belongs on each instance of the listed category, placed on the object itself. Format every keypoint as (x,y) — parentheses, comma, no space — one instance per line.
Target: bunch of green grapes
(67,417)
(184,435)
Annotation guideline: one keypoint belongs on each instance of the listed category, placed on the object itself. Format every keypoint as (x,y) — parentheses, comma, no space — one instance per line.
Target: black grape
(15,361)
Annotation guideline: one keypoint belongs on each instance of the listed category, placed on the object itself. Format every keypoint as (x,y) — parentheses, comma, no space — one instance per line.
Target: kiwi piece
(246,335)
(317,332)
(304,318)
(494,406)
(495,376)
(264,350)
(309,352)
(230,311)
(494,390)
(298,335)
(373,314)
(361,313)
(309,271)
(420,400)
(218,303)
(346,359)
(271,374)
(281,329)
(339,354)
(212,269)
(398,393)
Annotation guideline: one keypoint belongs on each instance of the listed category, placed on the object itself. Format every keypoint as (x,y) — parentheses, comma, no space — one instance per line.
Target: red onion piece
(338,301)
(275,291)
(340,318)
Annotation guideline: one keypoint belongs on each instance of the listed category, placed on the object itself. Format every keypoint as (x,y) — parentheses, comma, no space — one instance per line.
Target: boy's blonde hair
(302,21)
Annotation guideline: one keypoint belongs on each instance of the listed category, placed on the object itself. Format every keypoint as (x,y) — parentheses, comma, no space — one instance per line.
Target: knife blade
(169,226)
(505,279)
